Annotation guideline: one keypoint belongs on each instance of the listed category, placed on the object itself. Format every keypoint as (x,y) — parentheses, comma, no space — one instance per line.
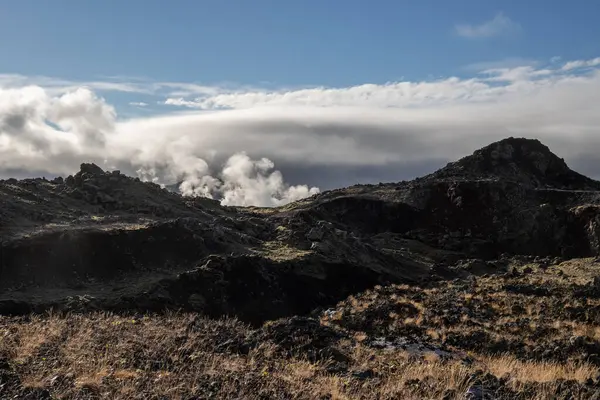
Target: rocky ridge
(486,255)
(512,197)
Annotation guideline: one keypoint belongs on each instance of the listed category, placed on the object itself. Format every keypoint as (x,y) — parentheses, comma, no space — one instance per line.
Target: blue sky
(332,43)
(264,102)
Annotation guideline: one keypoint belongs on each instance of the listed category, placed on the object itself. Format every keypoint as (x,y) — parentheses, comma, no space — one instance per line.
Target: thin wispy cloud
(581,64)
(498,26)
(509,62)
(59,85)
(487,85)
(121,84)
(269,147)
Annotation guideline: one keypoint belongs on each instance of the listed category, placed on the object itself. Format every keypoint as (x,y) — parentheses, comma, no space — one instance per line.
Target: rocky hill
(491,256)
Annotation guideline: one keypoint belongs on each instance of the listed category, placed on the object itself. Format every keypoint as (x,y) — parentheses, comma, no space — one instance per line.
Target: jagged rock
(105,198)
(197,302)
(512,197)
(320,247)
(525,161)
(91,169)
(90,187)
(315,235)
(364,374)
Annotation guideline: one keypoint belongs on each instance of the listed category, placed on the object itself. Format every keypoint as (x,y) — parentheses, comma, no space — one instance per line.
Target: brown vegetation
(457,338)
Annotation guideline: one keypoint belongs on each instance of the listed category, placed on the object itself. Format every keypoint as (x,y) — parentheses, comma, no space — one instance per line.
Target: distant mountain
(520,160)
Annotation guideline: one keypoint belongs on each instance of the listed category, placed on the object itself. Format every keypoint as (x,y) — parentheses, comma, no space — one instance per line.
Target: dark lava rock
(9,379)
(525,161)
(337,368)
(15,307)
(90,169)
(301,336)
(152,245)
(364,374)
(528,289)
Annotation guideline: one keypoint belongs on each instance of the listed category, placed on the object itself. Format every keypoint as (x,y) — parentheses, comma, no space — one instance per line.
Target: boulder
(91,169)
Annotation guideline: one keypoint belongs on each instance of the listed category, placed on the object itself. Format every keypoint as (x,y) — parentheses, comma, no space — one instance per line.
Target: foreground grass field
(182,356)
(528,334)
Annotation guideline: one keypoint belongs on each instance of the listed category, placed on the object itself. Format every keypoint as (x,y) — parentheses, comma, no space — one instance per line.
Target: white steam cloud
(248,182)
(242,181)
(238,144)
(53,134)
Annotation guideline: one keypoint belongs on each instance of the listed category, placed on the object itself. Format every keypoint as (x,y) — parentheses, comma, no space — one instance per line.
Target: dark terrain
(477,281)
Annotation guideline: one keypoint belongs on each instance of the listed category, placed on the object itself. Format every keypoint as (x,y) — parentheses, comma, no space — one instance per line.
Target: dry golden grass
(118,357)
(531,371)
(505,333)
(277,251)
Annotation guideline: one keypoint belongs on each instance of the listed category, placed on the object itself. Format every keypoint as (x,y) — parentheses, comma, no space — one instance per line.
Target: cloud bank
(237,145)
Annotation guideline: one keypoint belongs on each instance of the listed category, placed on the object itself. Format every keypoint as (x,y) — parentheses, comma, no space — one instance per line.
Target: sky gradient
(307,43)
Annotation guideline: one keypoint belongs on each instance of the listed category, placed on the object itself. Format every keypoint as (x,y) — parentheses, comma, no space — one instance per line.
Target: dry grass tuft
(531,371)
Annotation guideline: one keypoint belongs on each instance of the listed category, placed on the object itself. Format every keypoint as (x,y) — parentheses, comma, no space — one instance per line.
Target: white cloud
(517,74)
(189,89)
(581,64)
(138,104)
(121,84)
(315,136)
(510,62)
(395,94)
(40,132)
(248,182)
(180,102)
(58,85)
(497,26)
(390,95)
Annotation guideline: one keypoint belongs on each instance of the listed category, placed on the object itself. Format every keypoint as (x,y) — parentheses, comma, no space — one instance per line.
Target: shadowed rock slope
(102,240)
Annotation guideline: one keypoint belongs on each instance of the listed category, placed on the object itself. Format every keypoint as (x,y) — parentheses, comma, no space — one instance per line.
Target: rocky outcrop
(513,196)
(101,240)
(524,161)
(51,258)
